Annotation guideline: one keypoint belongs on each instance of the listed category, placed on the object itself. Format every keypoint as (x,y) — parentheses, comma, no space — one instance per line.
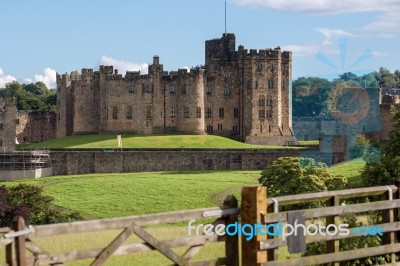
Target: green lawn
(146,141)
(111,195)
(351,170)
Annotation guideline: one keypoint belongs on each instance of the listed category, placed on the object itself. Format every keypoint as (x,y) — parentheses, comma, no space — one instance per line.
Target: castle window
(270,84)
(208,89)
(209,128)
(172,112)
(129,112)
(236,112)
(249,84)
(131,89)
(261,114)
(256,84)
(171,89)
(149,89)
(259,67)
(186,112)
(283,84)
(219,126)
(221,112)
(235,129)
(115,112)
(183,89)
(17,121)
(227,91)
(260,128)
(261,101)
(269,113)
(269,102)
(198,112)
(227,75)
(208,113)
(269,128)
(148,112)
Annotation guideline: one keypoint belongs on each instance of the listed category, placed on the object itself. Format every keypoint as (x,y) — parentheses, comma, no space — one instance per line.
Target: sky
(327,37)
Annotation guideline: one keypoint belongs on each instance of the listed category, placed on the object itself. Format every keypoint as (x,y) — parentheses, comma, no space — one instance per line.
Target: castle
(242,94)
(7,124)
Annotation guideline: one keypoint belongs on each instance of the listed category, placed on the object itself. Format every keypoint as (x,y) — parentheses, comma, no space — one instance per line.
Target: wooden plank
(34,248)
(231,242)
(297,242)
(194,249)
(337,257)
(254,201)
(120,222)
(323,196)
(162,248)
(4,230)
(274,243)
(338,210)
(113,246)
(125,249)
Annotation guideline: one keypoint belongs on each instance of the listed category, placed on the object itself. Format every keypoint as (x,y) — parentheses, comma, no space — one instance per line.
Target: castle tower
(8,112)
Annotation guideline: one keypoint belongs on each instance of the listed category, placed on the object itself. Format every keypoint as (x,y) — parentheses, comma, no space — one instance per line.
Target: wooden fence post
(10,254)
(254,201)
(332,246)
(388,217)
(231,242)
(18,224)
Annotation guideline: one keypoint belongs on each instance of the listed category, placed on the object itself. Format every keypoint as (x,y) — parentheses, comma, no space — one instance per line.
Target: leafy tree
(387,170)
(34,96)
(292,175)
(29,202)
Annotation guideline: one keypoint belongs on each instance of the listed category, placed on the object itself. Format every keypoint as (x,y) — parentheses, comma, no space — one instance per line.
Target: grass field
(146,141)
(111,195)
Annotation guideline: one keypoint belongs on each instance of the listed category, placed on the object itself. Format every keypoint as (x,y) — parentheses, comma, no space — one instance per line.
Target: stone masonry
(240,94)
(7,124)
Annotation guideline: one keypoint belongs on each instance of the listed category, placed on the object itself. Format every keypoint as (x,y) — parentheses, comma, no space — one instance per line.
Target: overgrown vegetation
(29,202)
(386,170)
(33,96)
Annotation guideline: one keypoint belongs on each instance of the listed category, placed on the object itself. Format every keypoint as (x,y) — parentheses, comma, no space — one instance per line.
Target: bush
(29,202)
(292,175)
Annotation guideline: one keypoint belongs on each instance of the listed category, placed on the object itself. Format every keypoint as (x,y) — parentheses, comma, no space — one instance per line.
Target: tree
(387,170)
(29,202)
(34,96)
(292,175)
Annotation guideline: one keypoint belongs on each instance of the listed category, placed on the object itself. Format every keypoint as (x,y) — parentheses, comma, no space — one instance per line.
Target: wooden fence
(18,239)
(264,250)
(256,208)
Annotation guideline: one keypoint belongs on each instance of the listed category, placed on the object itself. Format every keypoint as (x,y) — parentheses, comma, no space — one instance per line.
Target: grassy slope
(111,195)
(351,170)
(143,141)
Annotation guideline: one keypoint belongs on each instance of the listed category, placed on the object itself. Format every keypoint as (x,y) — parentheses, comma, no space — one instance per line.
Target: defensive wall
(68,162)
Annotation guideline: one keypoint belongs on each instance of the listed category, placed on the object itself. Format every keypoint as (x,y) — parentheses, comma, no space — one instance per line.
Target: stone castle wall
(100,161)
(35,126)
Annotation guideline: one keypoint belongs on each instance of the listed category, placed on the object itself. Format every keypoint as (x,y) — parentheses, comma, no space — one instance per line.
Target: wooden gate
(19,239)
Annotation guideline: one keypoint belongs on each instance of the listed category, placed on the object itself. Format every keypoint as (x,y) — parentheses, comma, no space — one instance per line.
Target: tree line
(310,94)
(33,96)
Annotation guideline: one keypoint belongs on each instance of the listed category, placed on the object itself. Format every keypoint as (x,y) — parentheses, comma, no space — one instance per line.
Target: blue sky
(40,38)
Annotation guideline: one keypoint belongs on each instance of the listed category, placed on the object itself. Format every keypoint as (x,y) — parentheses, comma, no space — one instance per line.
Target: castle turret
(8,113)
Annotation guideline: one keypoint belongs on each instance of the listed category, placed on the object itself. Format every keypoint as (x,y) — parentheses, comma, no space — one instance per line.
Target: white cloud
(4,79)
(301,50)
(48,77)
(123,66)
(325,6)
(330,34)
